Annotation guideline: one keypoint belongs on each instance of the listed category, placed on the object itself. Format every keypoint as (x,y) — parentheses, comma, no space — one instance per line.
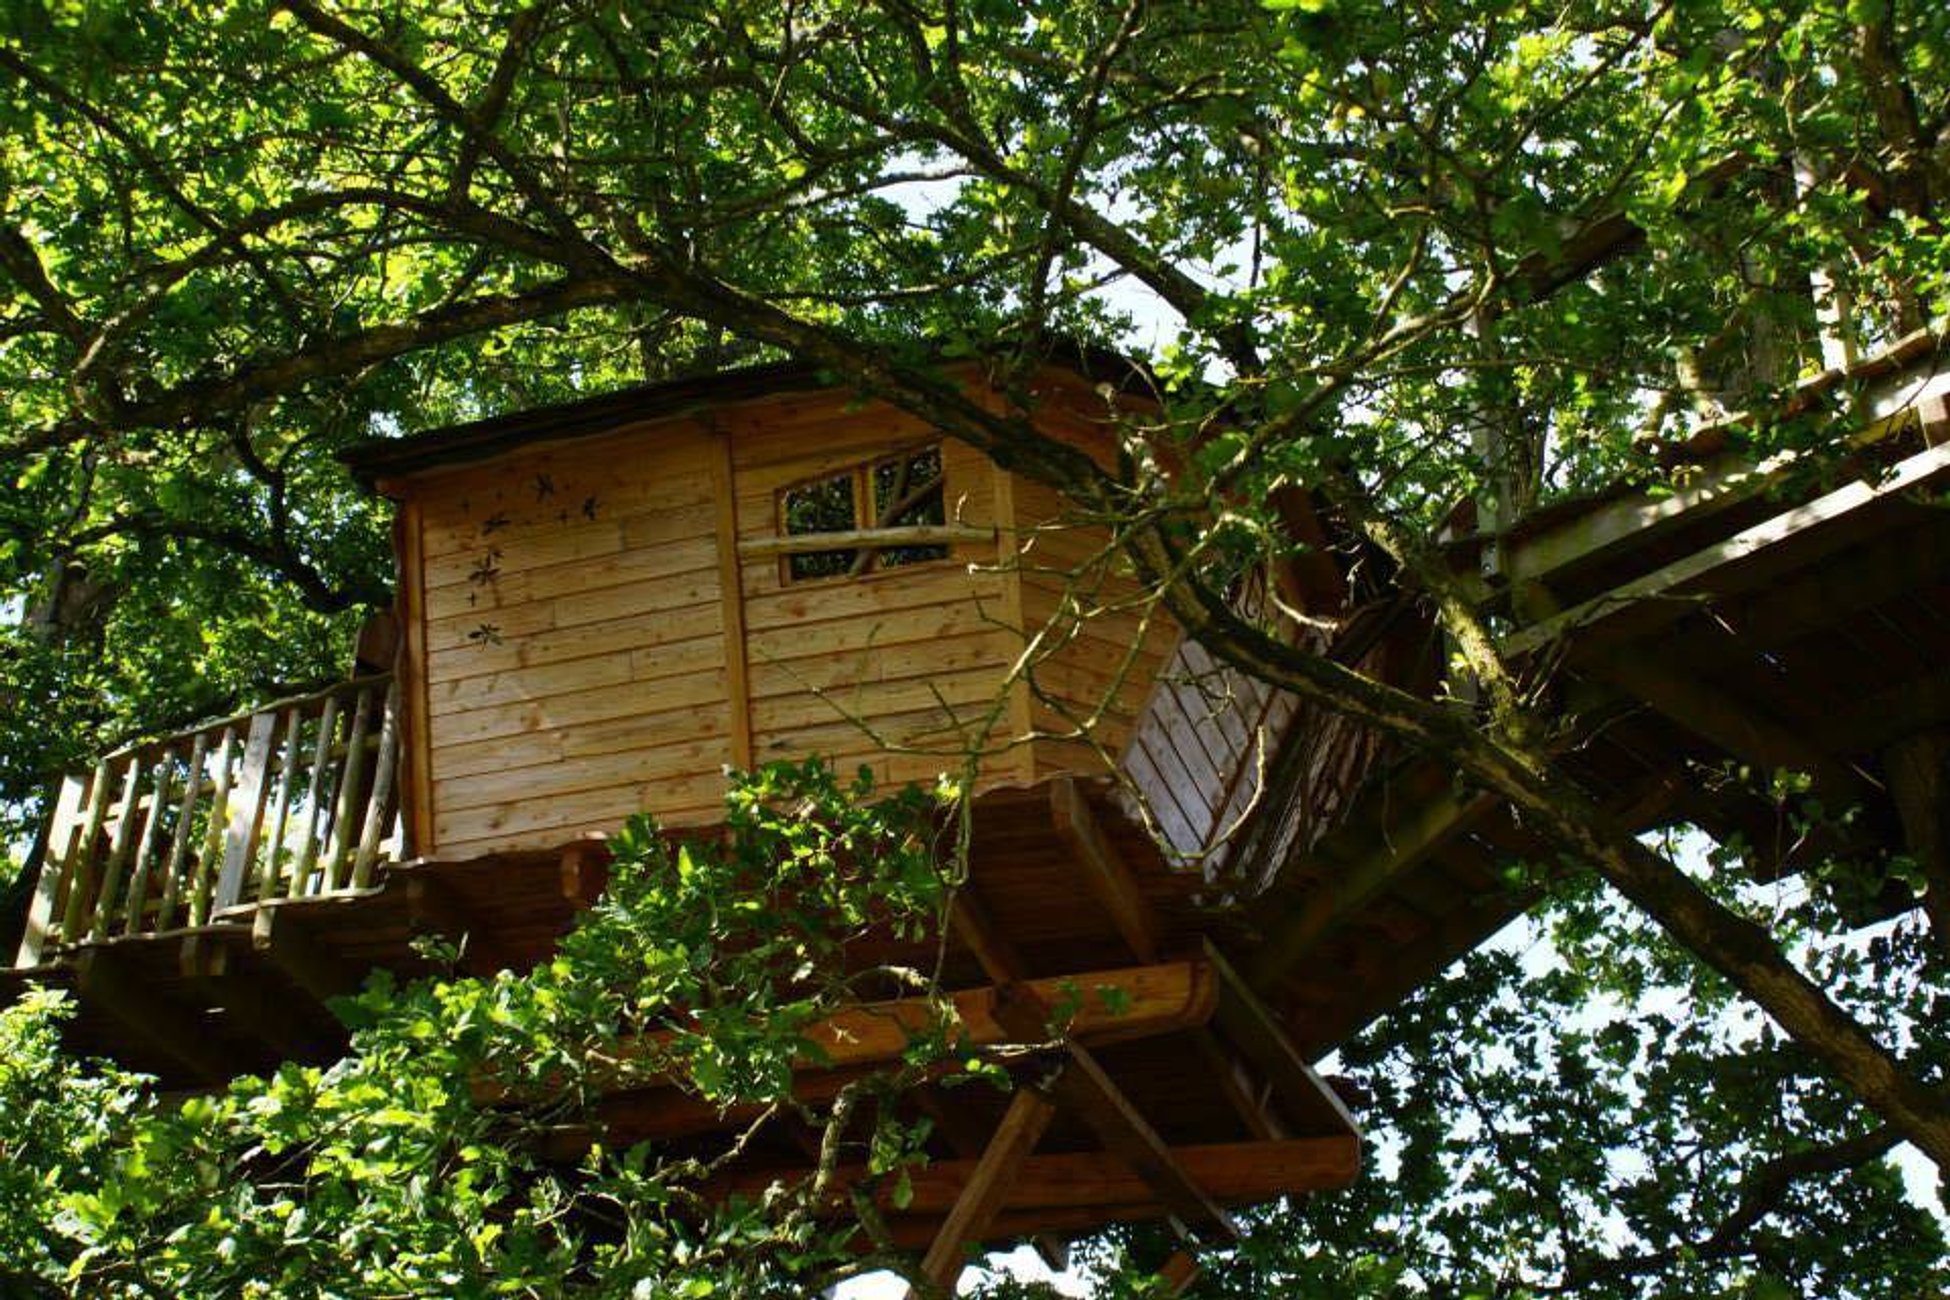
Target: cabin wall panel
(574,637)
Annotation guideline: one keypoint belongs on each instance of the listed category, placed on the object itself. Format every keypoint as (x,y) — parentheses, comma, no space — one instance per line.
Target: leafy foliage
(420,1164)
(1422,263)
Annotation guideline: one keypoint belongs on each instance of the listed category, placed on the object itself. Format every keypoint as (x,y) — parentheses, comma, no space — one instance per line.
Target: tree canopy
(1402,258)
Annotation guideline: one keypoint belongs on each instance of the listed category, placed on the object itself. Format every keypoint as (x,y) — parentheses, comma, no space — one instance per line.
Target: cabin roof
(389,457)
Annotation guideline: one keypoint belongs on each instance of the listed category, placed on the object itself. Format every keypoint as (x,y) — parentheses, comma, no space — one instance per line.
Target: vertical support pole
(119,845)
(81,864)
(203,870)
(321,758)
(294,729)
(147,848)
(346,807)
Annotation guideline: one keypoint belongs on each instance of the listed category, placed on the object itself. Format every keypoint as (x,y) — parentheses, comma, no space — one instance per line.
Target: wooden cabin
(603,604)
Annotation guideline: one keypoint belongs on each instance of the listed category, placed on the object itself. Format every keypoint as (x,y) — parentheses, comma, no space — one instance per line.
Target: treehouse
(601,605)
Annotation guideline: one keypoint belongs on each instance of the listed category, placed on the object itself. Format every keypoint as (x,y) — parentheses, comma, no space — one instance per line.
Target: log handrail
(297,798)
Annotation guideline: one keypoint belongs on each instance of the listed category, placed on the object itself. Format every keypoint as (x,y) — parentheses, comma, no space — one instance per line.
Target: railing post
(377,809)
(203,869)
(246,812)
(328,725)
(146,847)
(179,844)
(81,864)
(294,727)
(55,868)
(118,849)
(346,808)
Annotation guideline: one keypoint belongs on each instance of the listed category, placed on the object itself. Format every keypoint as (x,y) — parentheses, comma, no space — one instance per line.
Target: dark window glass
(902,492)
(906,492)
(822,507)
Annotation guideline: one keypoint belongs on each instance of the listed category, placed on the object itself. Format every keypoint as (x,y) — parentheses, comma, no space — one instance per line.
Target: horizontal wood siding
(574,640)
(899,670)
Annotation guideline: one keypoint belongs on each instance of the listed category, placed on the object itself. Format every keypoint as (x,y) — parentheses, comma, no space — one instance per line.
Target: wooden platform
(1177,1098)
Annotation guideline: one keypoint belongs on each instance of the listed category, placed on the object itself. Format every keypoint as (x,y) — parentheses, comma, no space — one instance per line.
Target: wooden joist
(1740,729)
(213,965)
(105,981)
(986,1187)
(1791,538)
(1355,866)
(1109,877)
(299,957)
(1310,1105)
(1085,1090)
(1078,1190)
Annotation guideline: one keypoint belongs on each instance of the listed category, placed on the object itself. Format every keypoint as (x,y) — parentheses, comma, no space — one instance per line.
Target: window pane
(822,507)
(907,491)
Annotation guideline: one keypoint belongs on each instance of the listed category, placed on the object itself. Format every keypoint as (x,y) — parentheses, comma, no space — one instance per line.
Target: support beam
(299,957)
(1353,868)
(1086,1091)
(1309,1103)
(969,920)
(104,981)
(1790,539)
(1082,1189)
(987,1188)
(211,965)
(1110,878)
(585,873)
(434,906)
(1736,728)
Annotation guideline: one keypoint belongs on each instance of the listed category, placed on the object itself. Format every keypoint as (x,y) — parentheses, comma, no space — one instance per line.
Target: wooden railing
(295,800)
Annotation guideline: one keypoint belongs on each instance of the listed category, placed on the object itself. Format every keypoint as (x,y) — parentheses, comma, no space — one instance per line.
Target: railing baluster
(56,867)
(146,847)
(119,843)
(328,725)
(179,845)
(204,868)
(148,840)
(294,726)
(345,815)
(81,870)
(247,811)
(377,808)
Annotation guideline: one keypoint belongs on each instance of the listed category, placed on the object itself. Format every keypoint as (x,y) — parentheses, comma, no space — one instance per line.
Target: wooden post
(321,759)
(346,807)
(294,728)
(119,839)
(179,845)
(1110,878)
(146,848)
(203,869)
(1015,1138)
(55,868)
(379,806)
(81,864)
(246,817)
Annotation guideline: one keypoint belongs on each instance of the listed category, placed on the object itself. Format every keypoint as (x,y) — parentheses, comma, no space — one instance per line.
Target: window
(902,491)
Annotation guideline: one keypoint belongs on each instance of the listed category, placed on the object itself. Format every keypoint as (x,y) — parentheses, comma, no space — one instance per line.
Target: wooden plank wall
(584,656)
(574,640)
(900,670)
